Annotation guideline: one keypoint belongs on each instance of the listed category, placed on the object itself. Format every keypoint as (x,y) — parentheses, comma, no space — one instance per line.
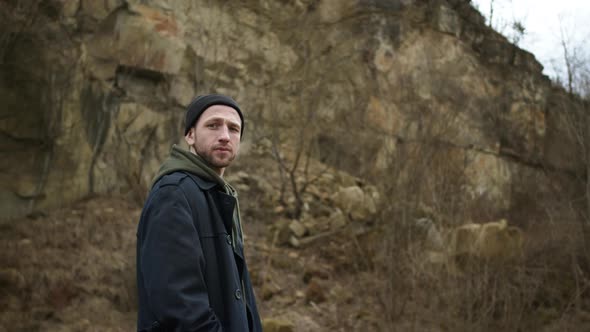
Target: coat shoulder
(179,181)
(178,177)
(172,179)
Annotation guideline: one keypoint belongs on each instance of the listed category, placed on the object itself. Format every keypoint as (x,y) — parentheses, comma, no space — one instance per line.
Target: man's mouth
(223,149)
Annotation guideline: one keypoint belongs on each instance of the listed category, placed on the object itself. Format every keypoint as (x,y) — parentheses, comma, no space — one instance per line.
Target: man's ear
(190,137)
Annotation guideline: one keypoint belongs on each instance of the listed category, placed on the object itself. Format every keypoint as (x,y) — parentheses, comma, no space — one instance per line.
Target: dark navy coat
(189,275)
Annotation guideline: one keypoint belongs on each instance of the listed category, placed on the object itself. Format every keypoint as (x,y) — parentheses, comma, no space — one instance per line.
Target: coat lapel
(225,206)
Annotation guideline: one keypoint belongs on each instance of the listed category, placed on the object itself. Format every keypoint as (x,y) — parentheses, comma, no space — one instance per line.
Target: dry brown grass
(546,289)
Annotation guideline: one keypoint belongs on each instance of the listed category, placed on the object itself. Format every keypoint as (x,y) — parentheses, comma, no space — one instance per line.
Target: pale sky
(542,20)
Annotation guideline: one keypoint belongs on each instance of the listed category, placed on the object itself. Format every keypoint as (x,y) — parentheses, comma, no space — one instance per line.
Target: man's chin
(220,163)
(215,161)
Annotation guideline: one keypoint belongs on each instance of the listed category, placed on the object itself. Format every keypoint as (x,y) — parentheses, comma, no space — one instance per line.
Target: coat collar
(202,183)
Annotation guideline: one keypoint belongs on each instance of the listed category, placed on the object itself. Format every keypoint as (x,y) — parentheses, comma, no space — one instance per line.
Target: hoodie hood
(184,160)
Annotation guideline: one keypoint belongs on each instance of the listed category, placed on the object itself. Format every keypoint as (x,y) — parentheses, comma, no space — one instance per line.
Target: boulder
(354,202)
(297,228)
(491,241)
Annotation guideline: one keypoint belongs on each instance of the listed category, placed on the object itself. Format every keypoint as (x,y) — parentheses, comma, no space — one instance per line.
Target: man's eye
(212,125)
(234,129)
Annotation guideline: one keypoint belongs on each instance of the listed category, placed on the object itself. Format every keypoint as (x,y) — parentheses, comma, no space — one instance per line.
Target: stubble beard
(211,160)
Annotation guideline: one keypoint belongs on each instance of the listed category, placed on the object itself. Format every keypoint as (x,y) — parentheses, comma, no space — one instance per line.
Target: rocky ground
(70,269)
(73,268)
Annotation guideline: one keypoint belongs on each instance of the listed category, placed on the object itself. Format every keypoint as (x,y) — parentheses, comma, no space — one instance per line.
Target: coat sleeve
(172,265)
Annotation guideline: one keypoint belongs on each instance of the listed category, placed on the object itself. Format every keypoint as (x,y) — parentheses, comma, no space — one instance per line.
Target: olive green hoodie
(186,161)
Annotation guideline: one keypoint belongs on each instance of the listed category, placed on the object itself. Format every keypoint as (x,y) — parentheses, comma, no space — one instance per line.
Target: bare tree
(575,61)
(513,28)
(576,118)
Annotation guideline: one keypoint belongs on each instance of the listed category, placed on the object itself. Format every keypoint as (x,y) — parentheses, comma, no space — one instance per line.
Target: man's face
(216,136)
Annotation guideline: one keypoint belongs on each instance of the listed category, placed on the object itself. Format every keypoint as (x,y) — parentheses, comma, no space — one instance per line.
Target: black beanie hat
(201,103)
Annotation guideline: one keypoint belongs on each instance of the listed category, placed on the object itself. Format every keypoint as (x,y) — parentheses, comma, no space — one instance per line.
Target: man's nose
(224,135)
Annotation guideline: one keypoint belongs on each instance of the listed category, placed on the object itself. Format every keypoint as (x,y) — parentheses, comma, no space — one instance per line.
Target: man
(191,272)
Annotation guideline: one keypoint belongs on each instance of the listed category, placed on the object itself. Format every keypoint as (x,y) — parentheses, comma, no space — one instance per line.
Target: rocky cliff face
(94,94)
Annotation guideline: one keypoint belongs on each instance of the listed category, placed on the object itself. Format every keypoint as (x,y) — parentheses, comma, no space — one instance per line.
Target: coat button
(238,294)
(228,239)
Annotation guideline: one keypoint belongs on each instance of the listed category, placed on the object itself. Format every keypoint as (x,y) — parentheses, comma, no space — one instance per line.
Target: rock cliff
(93,95)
